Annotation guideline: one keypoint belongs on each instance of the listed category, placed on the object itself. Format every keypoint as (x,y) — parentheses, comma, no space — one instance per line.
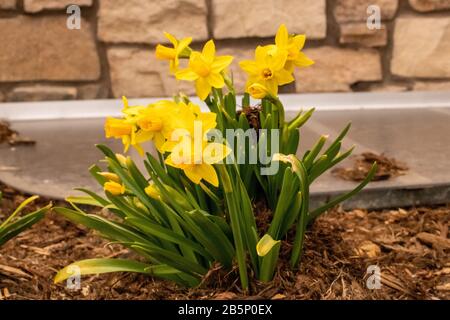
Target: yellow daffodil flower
(205,69)
(149,123)
(172,54)
(119,129)
(110,176)
(188,120)
(153,192)
(122,159)
(114,188)
(155,123)
(267,69)
(198,167)
(258,91)
(292,46)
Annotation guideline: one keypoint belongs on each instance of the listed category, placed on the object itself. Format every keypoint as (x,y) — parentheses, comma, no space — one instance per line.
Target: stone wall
(113,52)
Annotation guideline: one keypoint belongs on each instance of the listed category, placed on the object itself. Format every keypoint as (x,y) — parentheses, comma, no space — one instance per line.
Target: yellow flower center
(165,53)
(267,74)
(200,67)
(117,128)
(150,124)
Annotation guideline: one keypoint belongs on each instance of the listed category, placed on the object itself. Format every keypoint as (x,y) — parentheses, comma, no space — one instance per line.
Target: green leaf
(17,211)
(99,266)
(10,230)
(301,119)
(309,159)
(87,200)
(172,259)
(167,234)
(317,212)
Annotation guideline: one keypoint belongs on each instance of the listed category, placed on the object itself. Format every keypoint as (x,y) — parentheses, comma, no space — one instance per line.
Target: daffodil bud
(114,188)
(138,203)
(122,159)
(110,176)
(258,91)
(153,192)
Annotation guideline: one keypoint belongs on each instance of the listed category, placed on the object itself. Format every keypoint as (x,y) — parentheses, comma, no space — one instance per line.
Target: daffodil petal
(159,141)
(171,38)
(183,44)
(272,87)
(194,174)
(281,39)
(169,161)
(249,66)
(209,51)
(207,173)
(208,120)
(215,80)
(261,52)
(284,77)
(215,152)
(278,60)
(302,60)
(202,88)
(220,63)
(186,74)
(299,41)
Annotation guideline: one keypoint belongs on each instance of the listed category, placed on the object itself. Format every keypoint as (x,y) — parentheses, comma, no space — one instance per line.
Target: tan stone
(432,86)
(143,21)
(358,33)
(42,93)
(92,91)
(42,48)
(34,6)
(429,5)
(7,4)
(386,87)
(337,69)
(135,72)
(421,47)
(356,10)
(256,18)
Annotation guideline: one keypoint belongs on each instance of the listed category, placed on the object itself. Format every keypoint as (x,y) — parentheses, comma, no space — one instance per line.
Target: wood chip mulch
(410,247)
(11,136)
(387,168)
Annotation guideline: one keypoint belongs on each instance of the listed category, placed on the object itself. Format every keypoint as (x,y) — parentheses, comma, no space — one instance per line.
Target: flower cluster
(188,210)
(176,128)
(272,67)
(274,64)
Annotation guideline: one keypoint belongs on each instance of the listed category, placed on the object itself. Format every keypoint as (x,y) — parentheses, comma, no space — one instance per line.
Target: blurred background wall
(113,52)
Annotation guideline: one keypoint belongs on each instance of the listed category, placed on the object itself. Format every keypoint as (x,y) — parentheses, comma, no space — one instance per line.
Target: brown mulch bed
(410,246)
(387,168)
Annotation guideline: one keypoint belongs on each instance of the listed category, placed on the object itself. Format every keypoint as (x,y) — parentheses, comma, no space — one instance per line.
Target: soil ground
(410,246)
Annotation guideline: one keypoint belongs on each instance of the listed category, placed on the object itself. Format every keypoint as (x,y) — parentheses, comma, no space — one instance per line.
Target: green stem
(235,225)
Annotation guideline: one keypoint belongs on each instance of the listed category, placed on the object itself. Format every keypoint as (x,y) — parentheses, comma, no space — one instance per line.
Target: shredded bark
(11,136)
(252,114)
(339,248)
(387,168)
